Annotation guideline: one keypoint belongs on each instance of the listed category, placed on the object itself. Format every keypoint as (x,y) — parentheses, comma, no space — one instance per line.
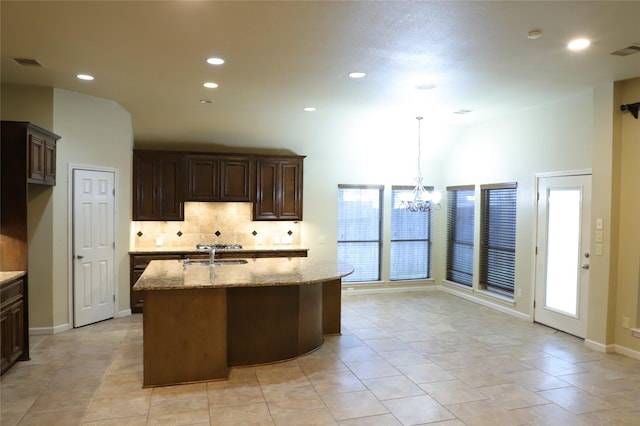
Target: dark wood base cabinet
(199,334)
(13,323)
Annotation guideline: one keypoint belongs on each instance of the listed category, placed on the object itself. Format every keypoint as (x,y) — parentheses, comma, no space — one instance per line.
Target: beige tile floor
(403,359)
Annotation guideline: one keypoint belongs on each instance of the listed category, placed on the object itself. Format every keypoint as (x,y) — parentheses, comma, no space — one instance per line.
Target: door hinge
(113,245)
(534,304)
(114,192)
(114,297)
(536,250)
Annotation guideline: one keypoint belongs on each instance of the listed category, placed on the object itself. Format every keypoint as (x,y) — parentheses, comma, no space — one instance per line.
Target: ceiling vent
(28,62)
(630,50)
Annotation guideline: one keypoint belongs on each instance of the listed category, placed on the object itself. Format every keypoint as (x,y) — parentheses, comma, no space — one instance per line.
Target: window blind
(410,239)
(360,230)
(460,222)
(498,237)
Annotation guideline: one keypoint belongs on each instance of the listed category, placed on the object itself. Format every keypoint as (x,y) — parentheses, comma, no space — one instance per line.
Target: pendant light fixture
(422,200)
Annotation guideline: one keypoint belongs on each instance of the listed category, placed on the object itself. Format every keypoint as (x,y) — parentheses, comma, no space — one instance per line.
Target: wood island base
(194,335)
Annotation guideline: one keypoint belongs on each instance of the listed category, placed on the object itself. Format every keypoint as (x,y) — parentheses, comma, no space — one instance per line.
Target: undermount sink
(219,262)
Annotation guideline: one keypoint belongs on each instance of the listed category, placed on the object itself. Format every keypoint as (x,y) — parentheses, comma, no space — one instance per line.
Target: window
(410,239)
(460,213)
(498,238)
(360,230)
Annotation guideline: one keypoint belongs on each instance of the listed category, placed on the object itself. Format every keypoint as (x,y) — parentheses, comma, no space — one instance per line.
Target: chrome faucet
(212,254)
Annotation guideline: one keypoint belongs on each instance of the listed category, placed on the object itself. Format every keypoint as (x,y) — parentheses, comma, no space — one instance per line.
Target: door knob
(585,266)
(586,254)
(79,256)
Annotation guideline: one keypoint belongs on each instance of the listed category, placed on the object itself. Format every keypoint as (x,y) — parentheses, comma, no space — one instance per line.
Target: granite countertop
(7,276)
(191,249)
(173,275)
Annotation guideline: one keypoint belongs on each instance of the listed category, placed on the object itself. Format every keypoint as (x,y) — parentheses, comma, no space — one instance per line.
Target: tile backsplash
(217,223)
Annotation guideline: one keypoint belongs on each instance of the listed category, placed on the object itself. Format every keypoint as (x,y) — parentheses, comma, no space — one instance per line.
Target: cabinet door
(50,162)
(5,335)
(236,178)
(265,206)
(204,178)
(291,190)
(158,183)
(146,183)
(16,313)
(172,187)
(36,157)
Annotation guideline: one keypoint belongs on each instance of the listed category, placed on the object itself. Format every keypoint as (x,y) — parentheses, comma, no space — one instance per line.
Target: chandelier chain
(419,148)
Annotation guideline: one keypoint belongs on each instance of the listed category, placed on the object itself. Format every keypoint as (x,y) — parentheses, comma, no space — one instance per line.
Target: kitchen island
(200,320)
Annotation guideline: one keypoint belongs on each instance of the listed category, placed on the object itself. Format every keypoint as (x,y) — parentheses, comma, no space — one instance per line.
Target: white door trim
(115,172)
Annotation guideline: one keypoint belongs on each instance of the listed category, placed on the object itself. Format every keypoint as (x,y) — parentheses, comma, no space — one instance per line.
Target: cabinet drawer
(12,292)
(141,261)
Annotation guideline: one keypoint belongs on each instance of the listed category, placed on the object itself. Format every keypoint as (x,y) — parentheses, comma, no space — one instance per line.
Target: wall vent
(629,50)
(28,62)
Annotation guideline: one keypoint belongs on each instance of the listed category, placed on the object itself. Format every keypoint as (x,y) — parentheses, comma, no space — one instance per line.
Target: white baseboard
(34,331)
(631,353)
(124,313)
(485,302)
(380,290)
(600,347)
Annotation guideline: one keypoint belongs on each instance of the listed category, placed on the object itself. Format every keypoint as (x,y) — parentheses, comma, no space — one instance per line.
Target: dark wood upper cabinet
(158,182)
(278,188)
(164,180)
(219,178)
(40,147)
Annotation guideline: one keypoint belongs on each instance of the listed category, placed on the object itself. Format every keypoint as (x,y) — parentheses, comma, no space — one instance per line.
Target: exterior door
(93,246)
(562,263)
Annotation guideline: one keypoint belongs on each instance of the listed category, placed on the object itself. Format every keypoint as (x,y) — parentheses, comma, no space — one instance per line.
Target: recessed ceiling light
(206,101)
(215,61)
(357,74)
(86,77)
(579,44)
(426,86)
(210,85)
(309,109)
(462,111)
(534,34)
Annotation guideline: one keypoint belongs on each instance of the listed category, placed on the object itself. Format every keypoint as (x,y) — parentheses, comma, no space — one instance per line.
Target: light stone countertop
(192,249)
(264,272)
(7,276)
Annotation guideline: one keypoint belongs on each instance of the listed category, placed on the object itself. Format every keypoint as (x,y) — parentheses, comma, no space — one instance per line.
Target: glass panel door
(562,262)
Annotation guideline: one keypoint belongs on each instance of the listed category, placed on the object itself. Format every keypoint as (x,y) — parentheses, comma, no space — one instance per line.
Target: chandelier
(422,200)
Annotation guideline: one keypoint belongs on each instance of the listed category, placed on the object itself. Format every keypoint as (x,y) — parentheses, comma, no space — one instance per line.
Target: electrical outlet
(625,323)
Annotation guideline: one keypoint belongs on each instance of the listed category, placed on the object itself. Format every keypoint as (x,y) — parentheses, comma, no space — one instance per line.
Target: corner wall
(555,137)
(94,132)
(626,263)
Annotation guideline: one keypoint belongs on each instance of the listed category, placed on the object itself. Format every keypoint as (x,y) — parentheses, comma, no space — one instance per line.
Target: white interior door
(93,246)
(562,263)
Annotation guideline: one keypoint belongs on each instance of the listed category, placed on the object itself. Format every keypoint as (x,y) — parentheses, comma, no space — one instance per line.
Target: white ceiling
(149,56)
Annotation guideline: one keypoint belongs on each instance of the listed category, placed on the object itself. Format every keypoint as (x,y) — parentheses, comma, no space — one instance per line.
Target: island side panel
(185,336)
(262,324)
(331,306)
(310,334)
